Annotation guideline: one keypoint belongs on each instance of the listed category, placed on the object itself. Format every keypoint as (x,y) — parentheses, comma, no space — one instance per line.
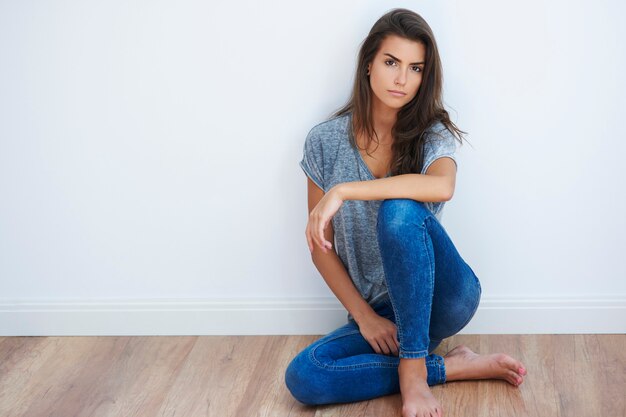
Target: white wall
(149,151)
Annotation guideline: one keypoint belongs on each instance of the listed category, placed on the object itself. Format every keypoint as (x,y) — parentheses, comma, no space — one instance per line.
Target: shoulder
(438,131)
(322,149)
(329,131)
(439,142)
(437,135)
(323,142)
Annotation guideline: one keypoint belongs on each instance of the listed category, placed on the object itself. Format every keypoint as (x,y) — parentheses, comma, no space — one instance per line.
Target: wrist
(339,190)
(362,313)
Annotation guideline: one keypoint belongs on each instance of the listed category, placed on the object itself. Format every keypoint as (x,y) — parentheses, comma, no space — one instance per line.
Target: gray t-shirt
(329,159)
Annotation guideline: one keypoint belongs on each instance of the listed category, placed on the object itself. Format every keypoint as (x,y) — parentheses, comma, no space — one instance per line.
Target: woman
(382,168)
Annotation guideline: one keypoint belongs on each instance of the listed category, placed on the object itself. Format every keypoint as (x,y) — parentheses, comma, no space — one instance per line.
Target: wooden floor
(568,375)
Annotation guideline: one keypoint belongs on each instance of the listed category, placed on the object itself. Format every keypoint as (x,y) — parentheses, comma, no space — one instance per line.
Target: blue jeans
(433,294)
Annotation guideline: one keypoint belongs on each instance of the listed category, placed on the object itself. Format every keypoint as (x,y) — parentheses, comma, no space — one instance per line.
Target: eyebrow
(399,60)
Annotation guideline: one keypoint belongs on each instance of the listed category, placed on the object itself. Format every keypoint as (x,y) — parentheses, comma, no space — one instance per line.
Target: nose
(401,78)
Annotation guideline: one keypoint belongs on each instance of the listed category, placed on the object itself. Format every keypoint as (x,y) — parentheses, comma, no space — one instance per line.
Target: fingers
(380,347)
(393,342)
(317,237)
(376,347)
(386,342)
(396,347)
(320,233)
(324,243)
(389,346)
(384,347)
(312,239)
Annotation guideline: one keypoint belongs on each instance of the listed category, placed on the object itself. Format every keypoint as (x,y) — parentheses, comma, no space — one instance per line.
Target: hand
(381,333)
(319,218)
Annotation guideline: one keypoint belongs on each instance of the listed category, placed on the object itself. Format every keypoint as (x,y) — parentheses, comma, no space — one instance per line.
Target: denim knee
(300,380)
(394,214)
(460,314)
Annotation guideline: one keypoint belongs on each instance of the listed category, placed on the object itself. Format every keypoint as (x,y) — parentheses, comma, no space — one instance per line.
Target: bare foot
(461,363)
(417,400)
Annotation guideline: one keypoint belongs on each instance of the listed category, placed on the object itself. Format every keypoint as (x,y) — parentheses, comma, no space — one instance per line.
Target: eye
(389,61)
(418,69)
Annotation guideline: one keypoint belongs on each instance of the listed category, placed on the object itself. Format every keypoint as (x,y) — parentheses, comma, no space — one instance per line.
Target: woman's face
(398,66)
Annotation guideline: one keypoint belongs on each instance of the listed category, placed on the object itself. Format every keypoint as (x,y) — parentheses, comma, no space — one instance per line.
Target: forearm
(419,187)
(334,273)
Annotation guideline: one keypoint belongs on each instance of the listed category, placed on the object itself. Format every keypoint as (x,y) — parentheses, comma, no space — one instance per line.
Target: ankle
(413,366)
(455,369)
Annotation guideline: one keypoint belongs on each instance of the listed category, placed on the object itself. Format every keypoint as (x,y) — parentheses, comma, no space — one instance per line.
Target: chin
(396,105)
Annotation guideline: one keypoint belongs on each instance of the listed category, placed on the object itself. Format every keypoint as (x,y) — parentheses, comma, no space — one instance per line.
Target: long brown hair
(415,117)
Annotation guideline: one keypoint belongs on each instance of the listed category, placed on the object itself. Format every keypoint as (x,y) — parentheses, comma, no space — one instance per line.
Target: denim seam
(312,350)
(431,266)
(439,373)
(368,364)
(428,216)
(432,361)
(415,351)
(420,354)
(358,366)
(397,317)
(430,263)
(398,320)
(442,372)
(343,367)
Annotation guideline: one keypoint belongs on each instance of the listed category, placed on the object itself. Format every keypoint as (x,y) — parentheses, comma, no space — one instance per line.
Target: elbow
(447,185)
(448,193)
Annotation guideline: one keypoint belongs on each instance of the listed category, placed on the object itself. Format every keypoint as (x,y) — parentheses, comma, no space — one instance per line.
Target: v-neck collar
(359,157)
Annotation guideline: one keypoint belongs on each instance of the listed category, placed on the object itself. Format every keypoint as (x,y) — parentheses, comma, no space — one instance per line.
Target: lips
(397,93)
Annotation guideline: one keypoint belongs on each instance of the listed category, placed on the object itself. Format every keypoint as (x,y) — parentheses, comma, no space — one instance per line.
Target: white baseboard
(295,316)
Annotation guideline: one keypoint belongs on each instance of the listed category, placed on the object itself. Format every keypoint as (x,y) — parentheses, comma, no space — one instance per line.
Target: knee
(301,380)
(395,214)
(457,316)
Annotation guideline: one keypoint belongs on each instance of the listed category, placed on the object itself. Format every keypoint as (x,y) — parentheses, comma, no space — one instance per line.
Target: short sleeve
(312,162)
(439,143)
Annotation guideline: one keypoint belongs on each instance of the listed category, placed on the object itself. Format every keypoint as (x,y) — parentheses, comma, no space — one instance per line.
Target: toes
(514,378)
(519,367)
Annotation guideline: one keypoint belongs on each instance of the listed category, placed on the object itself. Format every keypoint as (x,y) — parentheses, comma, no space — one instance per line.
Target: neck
(384,118)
